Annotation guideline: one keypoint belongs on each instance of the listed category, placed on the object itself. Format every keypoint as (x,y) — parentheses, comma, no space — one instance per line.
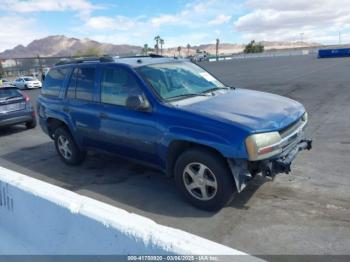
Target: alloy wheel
(200,181)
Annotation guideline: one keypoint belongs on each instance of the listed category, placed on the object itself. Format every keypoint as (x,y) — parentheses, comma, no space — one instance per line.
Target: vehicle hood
(252,110)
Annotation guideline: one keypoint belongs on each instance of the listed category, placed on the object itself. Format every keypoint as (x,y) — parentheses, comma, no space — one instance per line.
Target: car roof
(135,61)
(142,61)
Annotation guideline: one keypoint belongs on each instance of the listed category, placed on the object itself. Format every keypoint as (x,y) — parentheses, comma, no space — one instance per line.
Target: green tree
(161,42)
(188,49)
(179,50)
(157,39)
(1,70)
(253,47)
(145,49)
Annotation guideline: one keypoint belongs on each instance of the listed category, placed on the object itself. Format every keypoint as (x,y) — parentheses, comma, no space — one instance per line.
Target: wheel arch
(177,147)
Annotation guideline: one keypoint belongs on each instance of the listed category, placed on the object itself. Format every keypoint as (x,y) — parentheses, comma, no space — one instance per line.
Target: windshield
(29,79)
(178,80)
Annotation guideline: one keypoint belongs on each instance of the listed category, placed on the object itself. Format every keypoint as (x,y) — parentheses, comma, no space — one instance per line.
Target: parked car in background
(200,56)
(5,83)
(16,108)
(27,82)
(173,115)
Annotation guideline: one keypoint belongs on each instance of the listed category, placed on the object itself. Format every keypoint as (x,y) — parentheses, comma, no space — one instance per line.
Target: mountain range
(60,45)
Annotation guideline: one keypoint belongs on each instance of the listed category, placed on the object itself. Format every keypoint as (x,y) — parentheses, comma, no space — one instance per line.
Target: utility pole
(41,67)
(217,48)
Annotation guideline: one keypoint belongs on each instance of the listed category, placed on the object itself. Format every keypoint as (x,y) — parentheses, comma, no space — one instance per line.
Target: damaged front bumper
(244,170)
(283,164)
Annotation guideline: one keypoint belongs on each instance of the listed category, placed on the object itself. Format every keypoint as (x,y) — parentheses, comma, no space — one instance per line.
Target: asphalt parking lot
(307,212)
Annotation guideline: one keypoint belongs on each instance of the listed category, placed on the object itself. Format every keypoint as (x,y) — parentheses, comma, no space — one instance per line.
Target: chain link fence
(33,66)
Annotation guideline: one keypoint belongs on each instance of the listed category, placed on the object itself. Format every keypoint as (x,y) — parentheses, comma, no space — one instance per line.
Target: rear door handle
(103,115)
(66,109)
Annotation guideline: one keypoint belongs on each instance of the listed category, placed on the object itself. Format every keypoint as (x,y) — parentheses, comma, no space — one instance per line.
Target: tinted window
(72,84)
(116,85)
(85,83)
(6,93)
(54,81)
(29,79)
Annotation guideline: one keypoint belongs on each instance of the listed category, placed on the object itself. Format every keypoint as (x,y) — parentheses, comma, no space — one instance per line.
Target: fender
(66,120)
(225,147)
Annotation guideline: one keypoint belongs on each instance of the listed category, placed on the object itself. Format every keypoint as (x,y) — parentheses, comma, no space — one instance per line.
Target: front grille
(290,129)
(291,135)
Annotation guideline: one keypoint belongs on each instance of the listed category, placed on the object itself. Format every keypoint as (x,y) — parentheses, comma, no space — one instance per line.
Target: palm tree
(161,41)
(188,49)
(145,49)
(157,39)
(179,50)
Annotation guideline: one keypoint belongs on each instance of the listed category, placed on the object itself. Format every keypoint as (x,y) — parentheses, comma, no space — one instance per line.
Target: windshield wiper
(186,95)
(215,89)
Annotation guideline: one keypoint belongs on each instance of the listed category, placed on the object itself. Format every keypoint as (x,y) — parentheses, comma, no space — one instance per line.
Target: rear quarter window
(54,81)
(6,93)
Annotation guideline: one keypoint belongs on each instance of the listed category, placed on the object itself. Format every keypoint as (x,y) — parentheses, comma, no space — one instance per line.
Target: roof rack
(141,56)
(101,59)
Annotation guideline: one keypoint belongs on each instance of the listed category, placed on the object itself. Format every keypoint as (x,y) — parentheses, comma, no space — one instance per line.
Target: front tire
(204,179)
(67,148)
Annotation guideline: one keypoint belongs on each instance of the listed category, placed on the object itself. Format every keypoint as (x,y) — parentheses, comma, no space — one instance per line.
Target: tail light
(26,98)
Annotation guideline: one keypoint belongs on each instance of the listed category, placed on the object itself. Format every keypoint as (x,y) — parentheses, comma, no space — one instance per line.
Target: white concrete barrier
(40,218)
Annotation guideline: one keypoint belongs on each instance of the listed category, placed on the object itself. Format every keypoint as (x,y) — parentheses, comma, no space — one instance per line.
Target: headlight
(305,117)
(264,145)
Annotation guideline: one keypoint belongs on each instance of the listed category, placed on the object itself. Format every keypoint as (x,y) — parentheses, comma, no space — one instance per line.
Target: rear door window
(85,81)
(54,81)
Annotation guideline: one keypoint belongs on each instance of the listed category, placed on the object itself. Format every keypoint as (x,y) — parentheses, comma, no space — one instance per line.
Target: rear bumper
(27,117)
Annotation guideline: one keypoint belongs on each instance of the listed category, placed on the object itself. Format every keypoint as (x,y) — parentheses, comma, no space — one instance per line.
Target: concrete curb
(39,218)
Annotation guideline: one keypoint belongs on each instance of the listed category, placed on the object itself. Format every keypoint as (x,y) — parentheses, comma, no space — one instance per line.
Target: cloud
(17,30)
(83,7)
(196,19)
(198,13)
(285,20)
(121,23)
(220,19)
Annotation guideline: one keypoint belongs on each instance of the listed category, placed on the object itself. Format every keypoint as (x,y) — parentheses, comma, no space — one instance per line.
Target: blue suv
(173,115)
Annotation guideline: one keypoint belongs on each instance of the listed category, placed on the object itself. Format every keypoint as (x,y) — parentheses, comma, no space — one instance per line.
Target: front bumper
(243,170)
(283,164)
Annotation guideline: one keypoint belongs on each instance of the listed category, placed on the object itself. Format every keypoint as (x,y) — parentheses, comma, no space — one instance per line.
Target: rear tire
(67,148)
(204,179)
(31,124)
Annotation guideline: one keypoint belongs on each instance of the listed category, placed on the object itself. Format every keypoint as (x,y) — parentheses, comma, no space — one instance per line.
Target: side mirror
(138,103)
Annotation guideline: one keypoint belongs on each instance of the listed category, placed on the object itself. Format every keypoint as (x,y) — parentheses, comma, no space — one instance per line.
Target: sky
(178,22)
